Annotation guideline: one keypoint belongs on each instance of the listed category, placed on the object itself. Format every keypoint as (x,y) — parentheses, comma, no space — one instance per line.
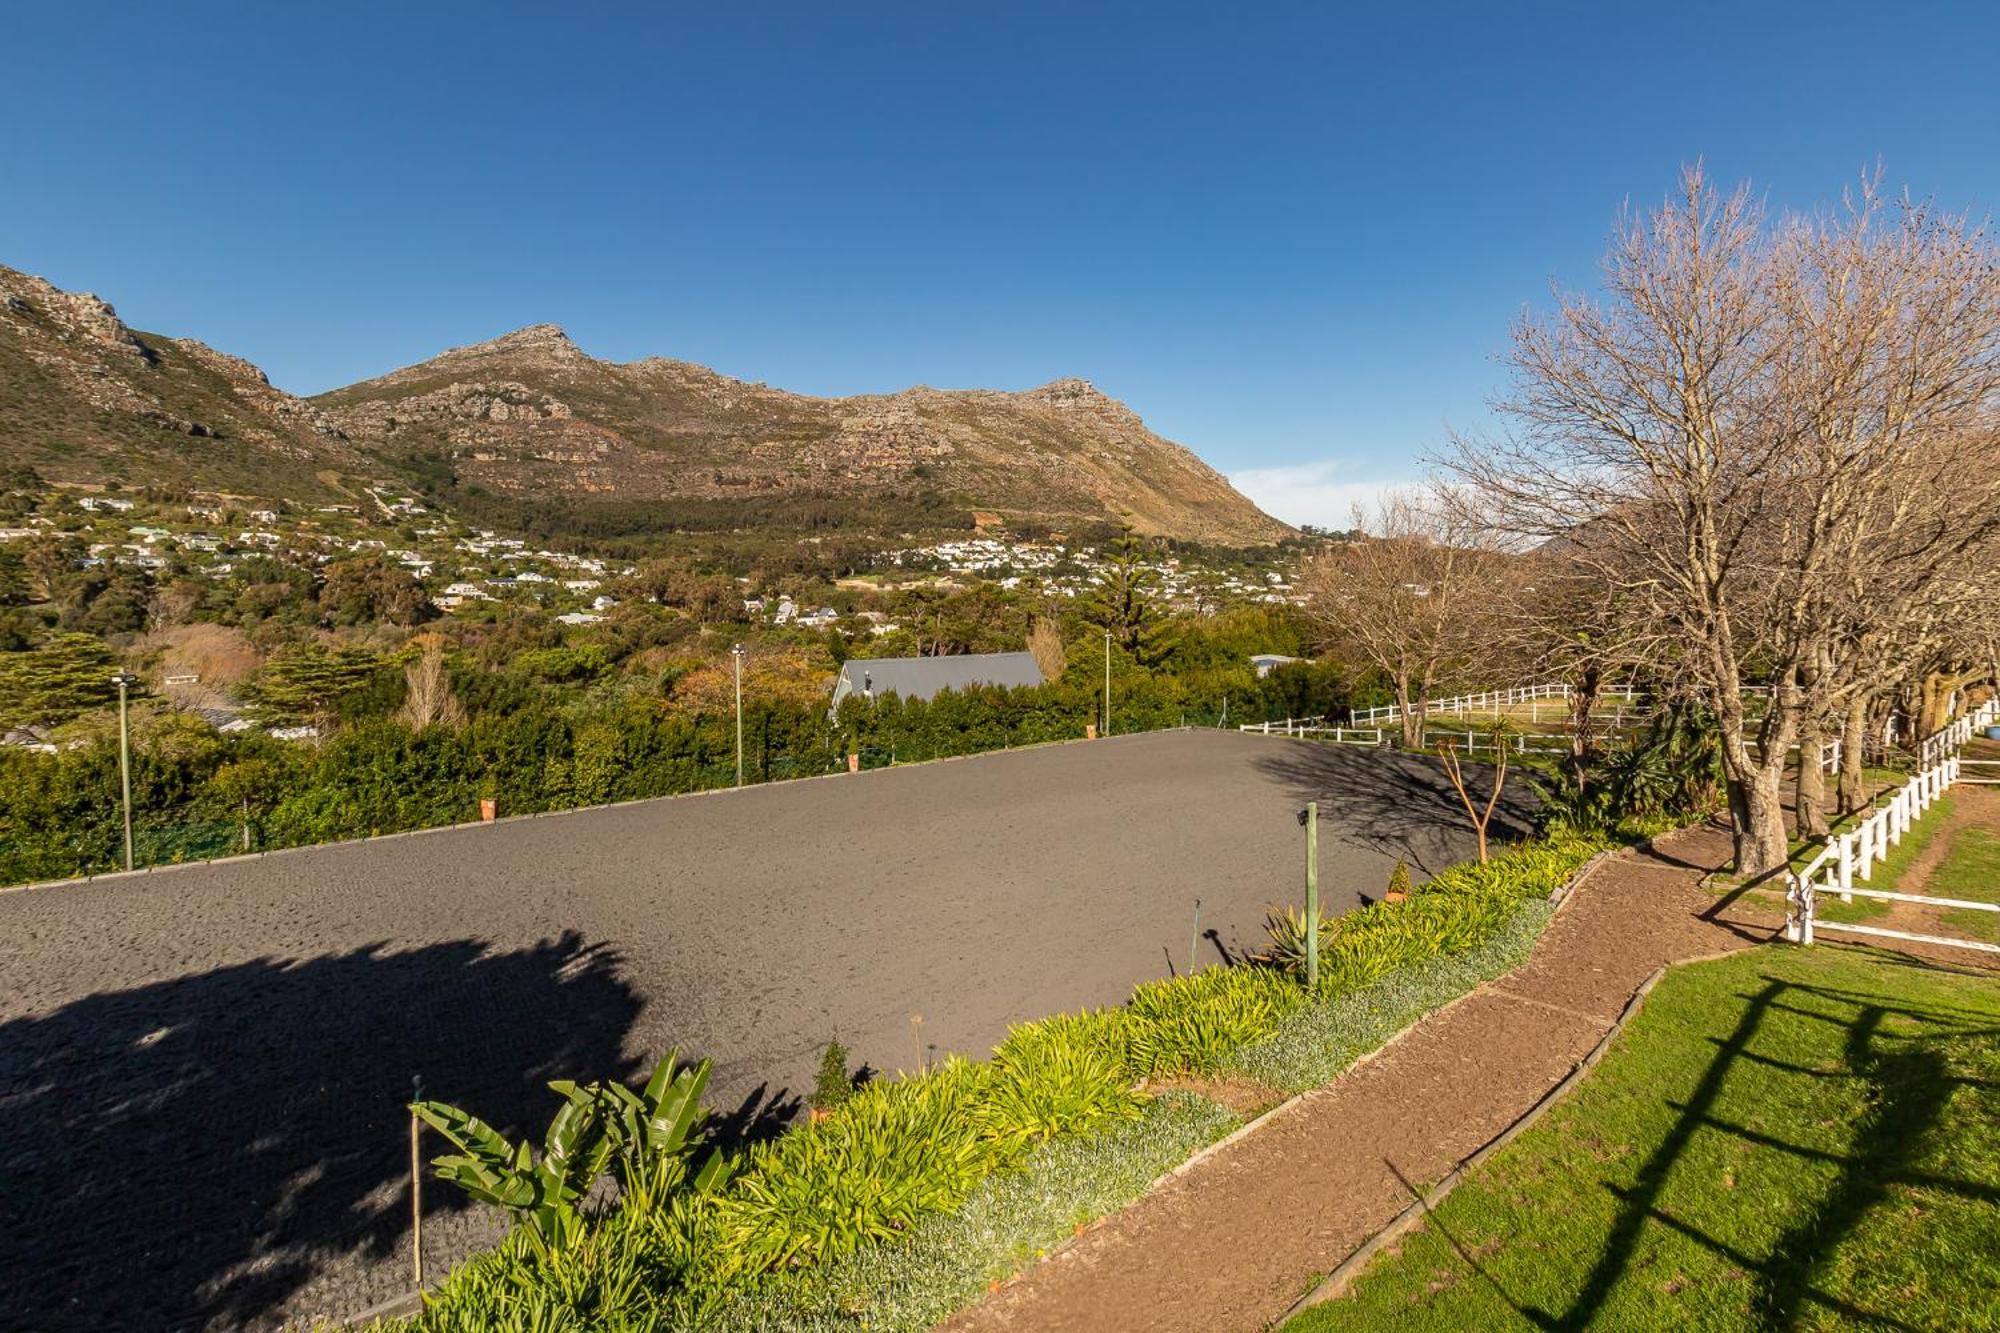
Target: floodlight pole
(1107,683)
(736,651)
(123,680)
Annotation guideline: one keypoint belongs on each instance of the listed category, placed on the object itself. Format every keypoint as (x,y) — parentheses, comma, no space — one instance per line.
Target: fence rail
(1315,728)
(1854,854)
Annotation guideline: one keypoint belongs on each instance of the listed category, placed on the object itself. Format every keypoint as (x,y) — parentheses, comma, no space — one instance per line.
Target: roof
(922,677)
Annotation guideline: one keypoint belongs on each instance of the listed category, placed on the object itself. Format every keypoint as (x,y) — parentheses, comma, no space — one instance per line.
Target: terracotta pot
(489,809)
(817,1114)
(854,763)
(1090,731)
(1394,896)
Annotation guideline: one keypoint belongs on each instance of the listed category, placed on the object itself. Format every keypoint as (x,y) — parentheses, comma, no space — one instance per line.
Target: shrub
(895,1152)
(1061,1076)
(833,1085)
(1192,1024)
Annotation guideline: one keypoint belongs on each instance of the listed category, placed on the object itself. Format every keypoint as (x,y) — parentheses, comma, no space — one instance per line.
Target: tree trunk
(1853,753)
(1757,810)
(1582,699)
(1412,716)
(1811,782)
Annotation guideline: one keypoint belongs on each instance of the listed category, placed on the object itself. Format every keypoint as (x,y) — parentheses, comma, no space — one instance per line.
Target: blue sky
(1292,237)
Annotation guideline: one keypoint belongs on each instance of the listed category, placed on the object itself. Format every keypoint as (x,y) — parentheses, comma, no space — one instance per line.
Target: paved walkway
(1232,1243)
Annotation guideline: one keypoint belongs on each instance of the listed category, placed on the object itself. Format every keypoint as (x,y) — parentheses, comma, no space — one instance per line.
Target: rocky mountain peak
(543,338)
(82,317)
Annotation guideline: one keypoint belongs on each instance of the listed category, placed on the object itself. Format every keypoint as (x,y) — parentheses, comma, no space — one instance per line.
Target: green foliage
(1399,879)
(1785,1138)
(1313,1044)
(947,1260)
(541,1190)
(833,1085)
(60,677)
(1056,1077)
(1126,601)
(1193,1024)
(304,686)
(1287,932)
(894,1153)
(372,589)
(651,1136)
(1456,911)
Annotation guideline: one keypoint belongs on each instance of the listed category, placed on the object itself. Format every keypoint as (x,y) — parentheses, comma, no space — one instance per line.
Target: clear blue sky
(1291,237)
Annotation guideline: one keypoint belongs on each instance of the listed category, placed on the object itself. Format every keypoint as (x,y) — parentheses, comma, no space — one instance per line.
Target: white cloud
(1311,493)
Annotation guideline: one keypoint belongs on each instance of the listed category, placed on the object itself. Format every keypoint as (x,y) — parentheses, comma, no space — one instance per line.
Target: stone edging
(1336,1283)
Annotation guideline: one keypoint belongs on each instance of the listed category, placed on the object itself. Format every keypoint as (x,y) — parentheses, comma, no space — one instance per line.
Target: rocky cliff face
(532,415)
(85,398)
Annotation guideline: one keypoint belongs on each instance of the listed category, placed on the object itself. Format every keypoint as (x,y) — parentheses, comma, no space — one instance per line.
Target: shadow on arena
(191,1153)
(1400,804)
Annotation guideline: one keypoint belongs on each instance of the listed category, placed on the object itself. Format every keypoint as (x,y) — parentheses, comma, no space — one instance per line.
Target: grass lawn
(1970,870)
(1785,1138)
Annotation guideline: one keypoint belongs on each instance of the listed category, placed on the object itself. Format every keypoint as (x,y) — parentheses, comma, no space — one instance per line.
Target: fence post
(1846,846)
(1312,895)
(416,1187)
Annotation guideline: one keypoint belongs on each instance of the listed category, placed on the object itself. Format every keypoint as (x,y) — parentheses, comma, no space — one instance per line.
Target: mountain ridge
(529,424)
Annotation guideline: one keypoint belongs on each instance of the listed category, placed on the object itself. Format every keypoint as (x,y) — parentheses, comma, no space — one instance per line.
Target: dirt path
(1971,807)
(1230,1244)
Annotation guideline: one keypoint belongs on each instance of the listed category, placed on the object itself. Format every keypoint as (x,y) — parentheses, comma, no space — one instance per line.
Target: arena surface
(203,1071)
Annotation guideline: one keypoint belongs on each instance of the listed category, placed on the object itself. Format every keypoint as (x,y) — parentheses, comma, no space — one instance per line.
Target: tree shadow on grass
(197,1152)
(1910,1085)
(1399,804)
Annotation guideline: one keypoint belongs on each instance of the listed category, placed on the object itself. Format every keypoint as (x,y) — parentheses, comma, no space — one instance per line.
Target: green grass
(1970,870)
(1785,1138)
(1889,872)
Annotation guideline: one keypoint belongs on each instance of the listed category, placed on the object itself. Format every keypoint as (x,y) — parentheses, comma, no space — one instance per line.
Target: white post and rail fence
(1847,861)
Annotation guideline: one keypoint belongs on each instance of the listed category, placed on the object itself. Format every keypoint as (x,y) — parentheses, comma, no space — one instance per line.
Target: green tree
(370,589)
(1126,602)
(64,675)
(303,686)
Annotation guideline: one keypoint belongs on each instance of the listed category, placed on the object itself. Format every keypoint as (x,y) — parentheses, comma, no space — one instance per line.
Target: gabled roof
(923,677)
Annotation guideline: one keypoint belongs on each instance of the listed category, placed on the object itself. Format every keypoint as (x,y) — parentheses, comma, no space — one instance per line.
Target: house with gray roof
(923,677)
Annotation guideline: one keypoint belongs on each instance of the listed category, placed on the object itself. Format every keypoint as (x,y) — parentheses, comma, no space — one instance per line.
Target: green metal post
(1312,895)
(125,764)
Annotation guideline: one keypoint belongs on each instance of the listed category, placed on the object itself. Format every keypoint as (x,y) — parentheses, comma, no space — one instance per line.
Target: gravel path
(1231,1244)
(203,1070)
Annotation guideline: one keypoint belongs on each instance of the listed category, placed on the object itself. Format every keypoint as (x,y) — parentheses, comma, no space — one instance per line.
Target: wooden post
(1312,895)
(1194,933)
(416,1187)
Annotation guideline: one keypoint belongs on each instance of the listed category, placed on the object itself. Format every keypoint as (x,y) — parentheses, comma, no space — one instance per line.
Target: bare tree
(1481,818)
(1046,645)
(429,700)
(1709,432)
(1411,600)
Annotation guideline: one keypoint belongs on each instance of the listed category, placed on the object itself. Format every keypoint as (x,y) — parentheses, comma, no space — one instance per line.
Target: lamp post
(1107,682)
(124,680)
(736,651)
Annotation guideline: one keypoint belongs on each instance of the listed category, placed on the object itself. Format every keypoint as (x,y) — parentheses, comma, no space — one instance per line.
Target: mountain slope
(532,418)
(85,398)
